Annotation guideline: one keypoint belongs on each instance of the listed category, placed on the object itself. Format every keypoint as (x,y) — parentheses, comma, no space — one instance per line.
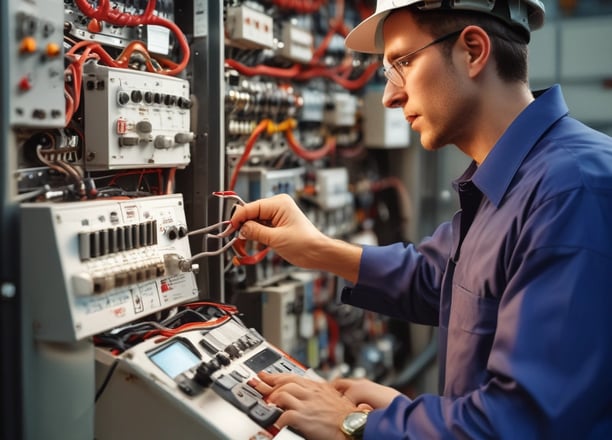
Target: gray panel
(36,67)
(543,50)
(586,48)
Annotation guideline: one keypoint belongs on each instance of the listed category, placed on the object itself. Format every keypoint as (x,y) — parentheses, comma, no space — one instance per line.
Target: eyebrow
(395,55)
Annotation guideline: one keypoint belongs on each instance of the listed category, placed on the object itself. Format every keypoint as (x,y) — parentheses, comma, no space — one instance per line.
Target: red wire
(328,147)
(104,12)
(263,125)
(303,6)
(298,73)
(229,308)
(185,327)
(276,72)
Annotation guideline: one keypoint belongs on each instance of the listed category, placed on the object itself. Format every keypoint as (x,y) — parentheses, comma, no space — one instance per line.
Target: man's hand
(365,392)
(315,409)
(280,224)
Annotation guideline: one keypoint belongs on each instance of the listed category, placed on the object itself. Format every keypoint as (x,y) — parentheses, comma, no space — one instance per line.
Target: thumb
(255,232)
(364,407)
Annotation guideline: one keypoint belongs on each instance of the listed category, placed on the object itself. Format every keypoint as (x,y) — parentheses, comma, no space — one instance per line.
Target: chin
(430,143)
(427,144)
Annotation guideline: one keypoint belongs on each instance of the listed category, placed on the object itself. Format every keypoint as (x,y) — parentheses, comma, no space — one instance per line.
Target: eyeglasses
(394,72)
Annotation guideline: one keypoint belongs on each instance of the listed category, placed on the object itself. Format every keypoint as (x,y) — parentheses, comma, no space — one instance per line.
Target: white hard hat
(367,35)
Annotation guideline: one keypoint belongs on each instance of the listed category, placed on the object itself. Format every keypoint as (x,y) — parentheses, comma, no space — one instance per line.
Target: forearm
(336,256)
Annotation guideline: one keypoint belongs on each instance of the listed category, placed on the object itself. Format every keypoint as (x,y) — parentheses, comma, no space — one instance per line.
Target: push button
(264,415)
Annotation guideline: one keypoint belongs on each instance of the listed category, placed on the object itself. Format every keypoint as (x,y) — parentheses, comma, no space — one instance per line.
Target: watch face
(354,422)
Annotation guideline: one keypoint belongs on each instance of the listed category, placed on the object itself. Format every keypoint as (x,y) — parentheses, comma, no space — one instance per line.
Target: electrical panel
(135,119)
(36,70)
(92,266)
(124,118)
(196,382)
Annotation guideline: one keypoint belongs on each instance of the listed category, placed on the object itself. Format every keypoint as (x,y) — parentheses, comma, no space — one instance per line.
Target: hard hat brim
(367,36)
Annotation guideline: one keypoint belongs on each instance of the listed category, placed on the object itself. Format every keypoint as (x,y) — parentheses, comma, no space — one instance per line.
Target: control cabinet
(194,384)
(92,266)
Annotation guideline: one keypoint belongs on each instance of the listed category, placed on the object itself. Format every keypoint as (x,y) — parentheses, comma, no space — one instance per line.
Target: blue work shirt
(525,308)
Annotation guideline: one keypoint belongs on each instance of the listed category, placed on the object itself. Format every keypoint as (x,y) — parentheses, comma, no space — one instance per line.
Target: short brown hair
(509,45)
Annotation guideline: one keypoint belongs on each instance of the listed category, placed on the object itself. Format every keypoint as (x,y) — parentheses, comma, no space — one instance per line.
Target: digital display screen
(174,358)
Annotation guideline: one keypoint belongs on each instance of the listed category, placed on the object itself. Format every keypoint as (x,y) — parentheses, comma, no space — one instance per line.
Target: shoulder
(569,156)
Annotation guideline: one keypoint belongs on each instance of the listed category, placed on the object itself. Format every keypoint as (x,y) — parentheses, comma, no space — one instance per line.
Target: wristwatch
(353,424)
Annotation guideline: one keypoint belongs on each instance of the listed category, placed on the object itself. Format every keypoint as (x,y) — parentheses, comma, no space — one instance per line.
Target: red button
(25,84)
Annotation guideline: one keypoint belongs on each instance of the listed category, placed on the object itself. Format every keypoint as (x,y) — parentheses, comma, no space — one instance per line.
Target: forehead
(401,34)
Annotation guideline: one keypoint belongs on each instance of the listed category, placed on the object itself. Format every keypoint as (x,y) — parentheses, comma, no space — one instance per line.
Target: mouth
(411,119)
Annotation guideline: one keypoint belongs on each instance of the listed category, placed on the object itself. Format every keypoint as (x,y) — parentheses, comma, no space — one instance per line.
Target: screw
(8,290)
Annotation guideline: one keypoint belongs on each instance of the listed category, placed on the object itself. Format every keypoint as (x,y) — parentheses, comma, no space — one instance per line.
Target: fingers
(256,232)
(262,210)
(342,384)
(275,385)
(266,383)
(313,408)
(261,387)
(278,379)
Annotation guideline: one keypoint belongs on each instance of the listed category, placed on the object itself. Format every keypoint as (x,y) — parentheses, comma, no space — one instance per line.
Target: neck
(500,106)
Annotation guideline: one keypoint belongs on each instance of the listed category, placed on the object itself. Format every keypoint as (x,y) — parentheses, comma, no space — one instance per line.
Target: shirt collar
(494,175)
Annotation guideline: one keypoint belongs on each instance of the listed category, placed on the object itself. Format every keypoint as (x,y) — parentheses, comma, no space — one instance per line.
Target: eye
(402,63)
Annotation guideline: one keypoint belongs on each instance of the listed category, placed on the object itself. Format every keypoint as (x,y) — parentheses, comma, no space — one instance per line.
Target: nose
(394,96)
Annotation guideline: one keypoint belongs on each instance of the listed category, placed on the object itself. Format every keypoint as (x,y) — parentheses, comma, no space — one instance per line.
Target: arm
(551,356)
(403,280)
(549,375)
(548,372)
(279,223)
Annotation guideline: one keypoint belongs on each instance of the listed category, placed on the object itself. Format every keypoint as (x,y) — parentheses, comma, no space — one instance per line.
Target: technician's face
(431,94)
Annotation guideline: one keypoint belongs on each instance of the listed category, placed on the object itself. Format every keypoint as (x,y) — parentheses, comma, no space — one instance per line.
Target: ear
(476,45)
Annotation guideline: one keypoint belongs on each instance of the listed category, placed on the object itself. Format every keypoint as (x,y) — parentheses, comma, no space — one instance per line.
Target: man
(517,282)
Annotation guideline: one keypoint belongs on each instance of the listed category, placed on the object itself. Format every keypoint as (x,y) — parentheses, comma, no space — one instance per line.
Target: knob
(169,99)
(223,358)
(128,141)
(82,284)
(184,138)
(144,126)
(123,98)
(202,375)
(136,96)
(163,142)
(53,50)
(172,233)
(28,45)
(184,103)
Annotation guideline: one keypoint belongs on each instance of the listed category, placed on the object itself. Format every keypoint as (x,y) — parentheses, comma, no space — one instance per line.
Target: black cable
(107,379)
